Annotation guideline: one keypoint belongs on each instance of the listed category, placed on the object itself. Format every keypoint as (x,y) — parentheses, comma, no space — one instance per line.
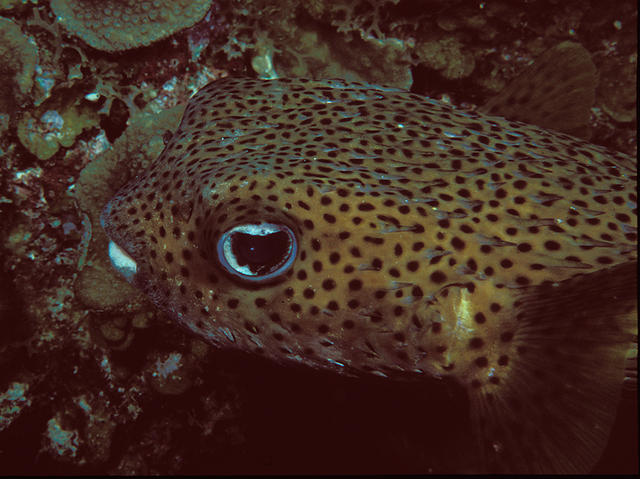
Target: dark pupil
(260,253)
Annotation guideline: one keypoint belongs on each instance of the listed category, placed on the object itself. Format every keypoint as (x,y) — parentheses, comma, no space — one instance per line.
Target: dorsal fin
(556,92)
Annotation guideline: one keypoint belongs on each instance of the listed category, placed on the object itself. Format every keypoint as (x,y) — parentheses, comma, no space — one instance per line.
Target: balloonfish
(375,231)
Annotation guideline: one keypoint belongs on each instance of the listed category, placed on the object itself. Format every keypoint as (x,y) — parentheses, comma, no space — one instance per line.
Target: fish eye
(257,252)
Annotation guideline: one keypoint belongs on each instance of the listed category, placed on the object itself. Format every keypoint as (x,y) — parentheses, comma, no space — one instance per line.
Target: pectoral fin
(553,410)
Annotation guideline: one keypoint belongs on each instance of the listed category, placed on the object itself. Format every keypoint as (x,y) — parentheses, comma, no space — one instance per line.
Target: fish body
(370,230)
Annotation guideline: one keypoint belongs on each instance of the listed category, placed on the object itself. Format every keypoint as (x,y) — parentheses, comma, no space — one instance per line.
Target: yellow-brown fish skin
(421,232)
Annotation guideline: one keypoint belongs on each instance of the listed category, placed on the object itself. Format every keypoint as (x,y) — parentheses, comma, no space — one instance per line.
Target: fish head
(268,253)
(272,244)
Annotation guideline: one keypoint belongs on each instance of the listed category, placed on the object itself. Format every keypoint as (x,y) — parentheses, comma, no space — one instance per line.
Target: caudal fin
(553,411)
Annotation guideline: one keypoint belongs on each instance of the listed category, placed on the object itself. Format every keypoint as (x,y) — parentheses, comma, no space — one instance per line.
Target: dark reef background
(94,379)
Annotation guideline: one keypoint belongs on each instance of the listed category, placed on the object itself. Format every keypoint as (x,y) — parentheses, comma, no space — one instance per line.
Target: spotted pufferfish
(370,230)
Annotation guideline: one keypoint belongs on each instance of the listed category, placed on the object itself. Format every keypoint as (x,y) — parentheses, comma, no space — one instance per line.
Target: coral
(98,429)
(12,403)
(136,148)
(262,63)
(81,433)
(170,374)
(285,45)
(18,59)
(9,4)
(313,54)
(59,441)
(117,25)
(447,56)
(54,124)
(371,17)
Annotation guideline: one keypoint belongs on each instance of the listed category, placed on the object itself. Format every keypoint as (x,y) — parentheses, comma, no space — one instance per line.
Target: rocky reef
(94,379)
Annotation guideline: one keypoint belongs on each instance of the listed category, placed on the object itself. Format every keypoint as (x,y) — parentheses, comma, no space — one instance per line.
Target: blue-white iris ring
(279,256)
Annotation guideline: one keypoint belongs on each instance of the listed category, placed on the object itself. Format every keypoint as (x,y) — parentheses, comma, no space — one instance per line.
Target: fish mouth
(120,259)
(122,262)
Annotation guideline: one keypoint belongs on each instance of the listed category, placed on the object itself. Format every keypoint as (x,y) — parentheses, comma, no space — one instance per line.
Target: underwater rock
(18,58)
(618,87)
(98,288)
(115,26)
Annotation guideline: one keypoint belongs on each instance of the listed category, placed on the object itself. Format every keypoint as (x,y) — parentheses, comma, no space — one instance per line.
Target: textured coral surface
(93,378)
(121,25)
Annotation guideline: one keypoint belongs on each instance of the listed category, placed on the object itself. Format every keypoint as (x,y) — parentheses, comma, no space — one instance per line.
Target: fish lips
(120,249)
